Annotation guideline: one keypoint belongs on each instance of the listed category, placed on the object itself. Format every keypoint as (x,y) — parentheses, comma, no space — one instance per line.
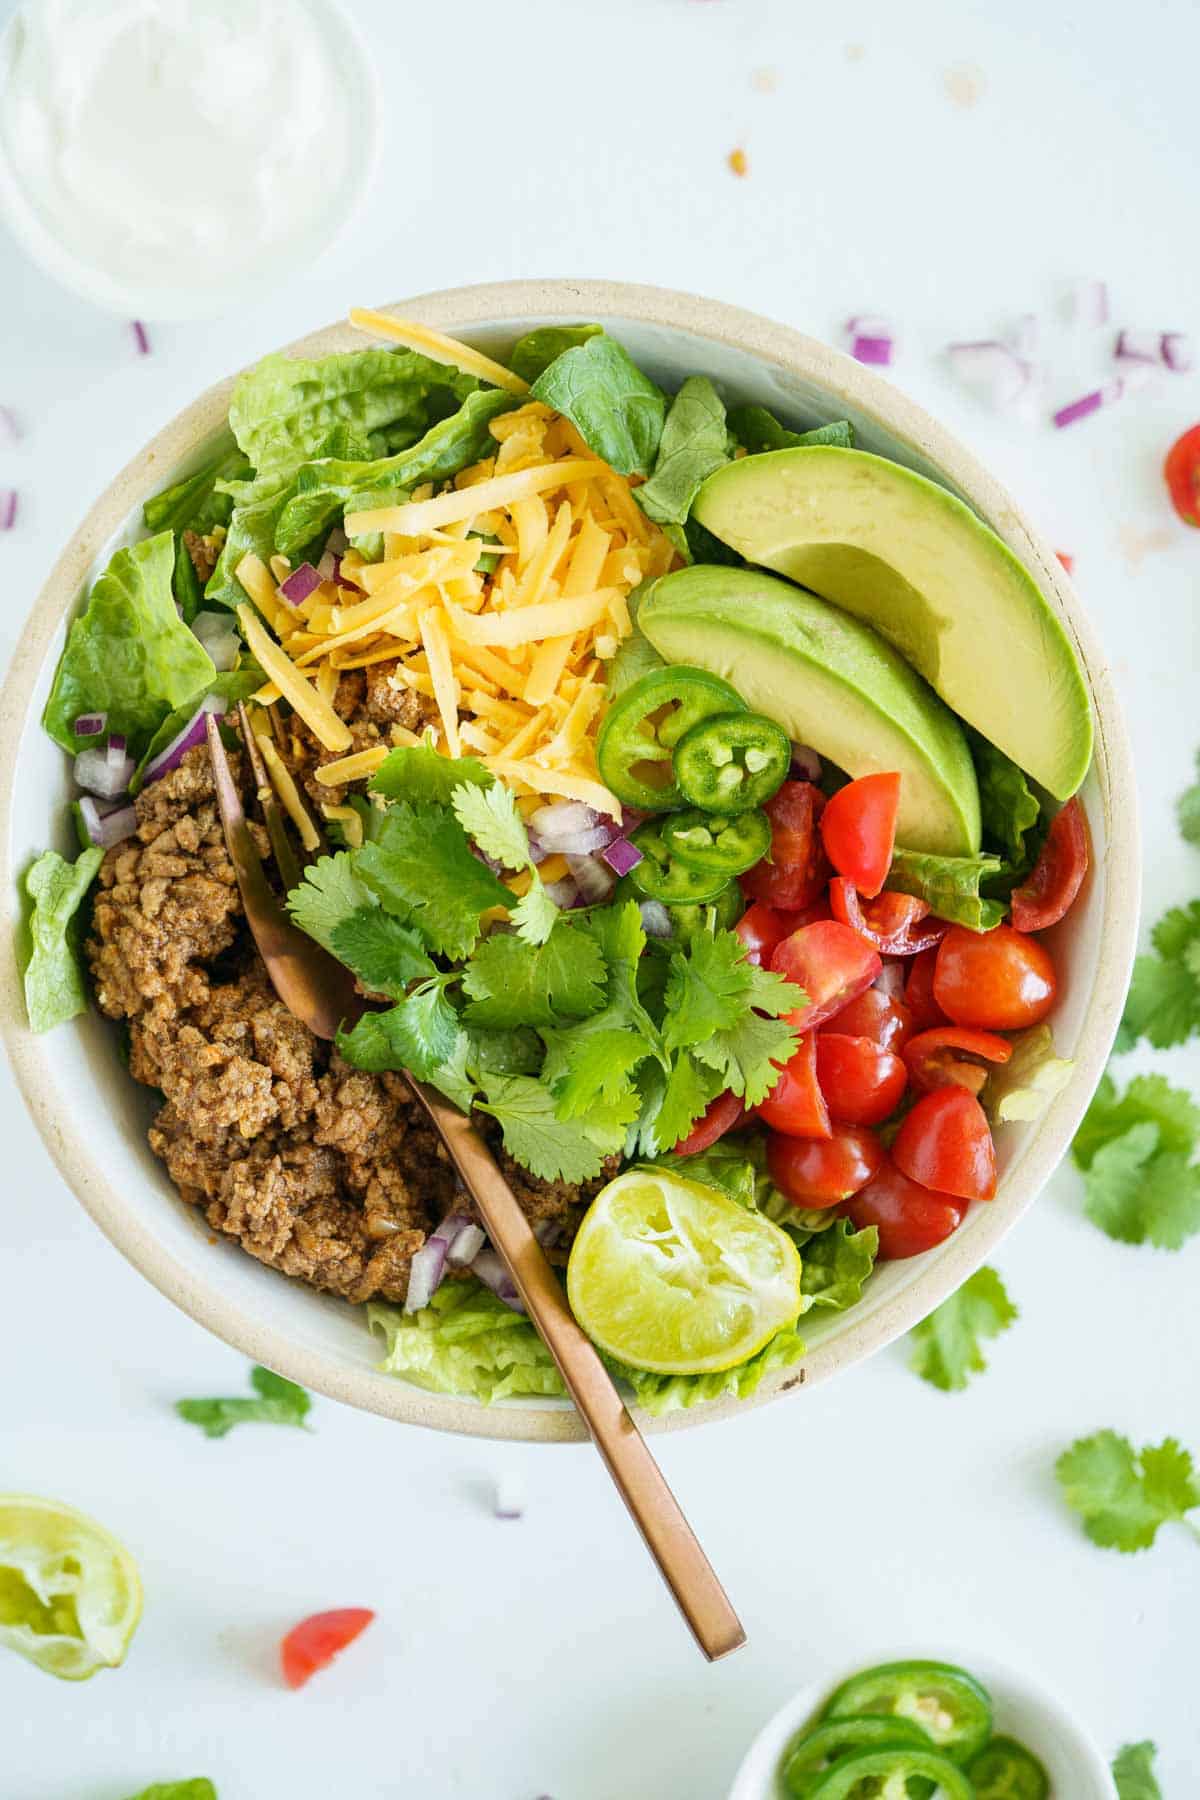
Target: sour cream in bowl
(167,158)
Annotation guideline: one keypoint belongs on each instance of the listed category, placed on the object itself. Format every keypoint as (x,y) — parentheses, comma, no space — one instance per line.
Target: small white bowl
(348,59)
(1025,1708)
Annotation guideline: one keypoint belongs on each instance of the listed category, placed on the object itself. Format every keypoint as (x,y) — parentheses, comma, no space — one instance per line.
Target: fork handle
(638,1478)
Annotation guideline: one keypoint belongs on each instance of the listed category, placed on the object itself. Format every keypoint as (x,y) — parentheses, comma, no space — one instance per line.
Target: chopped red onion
(509,1500)
(1089,303)
(621,856)
(299,585)
(116,748)
(1138,347)
(537,850)
(1089,403)
(594,879)
(563,893)
(876,350)
(10,424)
(90,724)
(656,920)
(215,632)
(1177,352)
(98,773)
(891,979)
(867,325)
(466,1246)
(424,1275)
(108,827)
(194,732)
(991,367)
(806,764)
(494,1274)
(337,541)
(8,508)
(141,337)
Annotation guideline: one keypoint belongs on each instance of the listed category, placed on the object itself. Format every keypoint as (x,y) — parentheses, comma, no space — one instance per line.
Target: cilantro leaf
(330,893)
(749,1055)
(1123,1496)
(198,1788)
(591,1063)
(278,1402)
(1139,1193)
(515,1050)
(452,1076)
(535,915)
(511,982)
(689,1091)
(384,954)
(1149,1099)
(420,774)
(1133,1772)
(1187,811)
(422,868)
(946,1345)
(490,816)
(547,1146)
(714,1004)
(420,1034)
(1164,995)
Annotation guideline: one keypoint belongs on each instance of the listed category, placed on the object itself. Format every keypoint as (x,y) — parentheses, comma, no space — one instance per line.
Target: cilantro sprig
(1124,1496)
(1135,1149)
(948,1345)
(277,1402)
(1133,1772)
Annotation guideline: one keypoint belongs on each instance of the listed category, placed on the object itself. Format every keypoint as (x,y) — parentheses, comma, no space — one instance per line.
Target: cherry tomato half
(819,1172)
(999,979)
(314,1643)
(1049,892)
(760,928)
(798,868)
(722,1115)
(918,992)
(897,924)
(862,1083)
(796,1105)
(945,1143)
(858,828)
(948,1055)
(1182,470)
(878,1016)
(909,1218)
(831,963)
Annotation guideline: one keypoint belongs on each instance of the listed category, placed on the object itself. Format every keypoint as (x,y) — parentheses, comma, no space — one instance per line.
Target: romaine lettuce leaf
(257,507)
(538,349)
(129,654)
(617,410)
(197,503)
(234,685)
(951,885)
(54,989)
(1010,810)
(674,1393)
(836,1263)
(757,430)
(694,443)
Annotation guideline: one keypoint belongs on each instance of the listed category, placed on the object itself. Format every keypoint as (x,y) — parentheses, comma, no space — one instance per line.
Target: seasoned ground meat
(205,553)
(331,1175)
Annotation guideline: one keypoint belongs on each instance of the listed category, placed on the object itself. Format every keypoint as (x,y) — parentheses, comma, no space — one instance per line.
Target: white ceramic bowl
(332,207)
(1025,1708)
(93,1118)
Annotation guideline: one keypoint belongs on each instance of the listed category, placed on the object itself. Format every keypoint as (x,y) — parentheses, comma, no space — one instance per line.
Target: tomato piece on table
(1049,892)
(831,963)
(858,828)
(1182,470)
(1000,980)
(862,1083)
(877,1015)
(315,1641)
(798,868)
(918,992)
(722,1115)
(945,1143)
(897,924)
(908,1217)
(953,1055)
(817,1172)
(796,1105)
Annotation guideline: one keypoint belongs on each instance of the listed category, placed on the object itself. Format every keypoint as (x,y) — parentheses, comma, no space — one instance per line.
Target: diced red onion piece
(108,827)
(867,325)
(1089,303)
(556,824)
(494,1274)
(806,764)
(537,850)
(466,1247)
(1089,403)
(1139,347)
(193,733)
(299,585)
(631,818)
(509,1502)
(1177,352)
(424,1275)
(215,632)
(876,350)
(594,879)
(656,920)
(992,368)
(116,748)
(563,893)
(141,337)
(891,979)
(621,856)
(8,508)
(337,541)
(96,773)
(90,724)
(10,424)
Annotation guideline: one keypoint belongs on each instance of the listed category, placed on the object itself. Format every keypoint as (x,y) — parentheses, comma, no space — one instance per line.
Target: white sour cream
(182,145)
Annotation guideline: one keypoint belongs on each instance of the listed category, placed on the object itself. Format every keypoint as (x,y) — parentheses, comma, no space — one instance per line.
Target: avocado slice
(830,682)
(908,558)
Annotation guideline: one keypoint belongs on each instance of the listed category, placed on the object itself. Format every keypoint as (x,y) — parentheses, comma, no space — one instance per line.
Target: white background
(512,1660)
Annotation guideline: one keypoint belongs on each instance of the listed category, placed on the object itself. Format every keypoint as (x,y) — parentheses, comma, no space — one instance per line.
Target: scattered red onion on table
(1090,403)
(8,508)
(141,337)
(10,425)
(872,339)
(993,368)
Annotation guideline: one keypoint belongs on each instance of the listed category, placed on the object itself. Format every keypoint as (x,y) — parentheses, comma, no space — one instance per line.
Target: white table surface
(512,1660)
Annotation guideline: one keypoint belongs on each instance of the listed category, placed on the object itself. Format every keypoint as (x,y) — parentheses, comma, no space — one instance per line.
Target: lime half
(674,1277)
(70,1596)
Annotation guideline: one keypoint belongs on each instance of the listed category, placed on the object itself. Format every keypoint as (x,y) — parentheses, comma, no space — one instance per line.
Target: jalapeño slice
(1006,1770)
(721,914)
(812,1754)
(717,844)
(661,876)
(887,1774)
(733,761)
(943,1700)
(636,744)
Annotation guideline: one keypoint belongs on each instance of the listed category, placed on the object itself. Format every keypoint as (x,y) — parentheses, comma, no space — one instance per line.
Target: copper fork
(323,995)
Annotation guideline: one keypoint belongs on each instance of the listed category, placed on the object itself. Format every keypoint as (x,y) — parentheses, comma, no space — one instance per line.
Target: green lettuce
(534,353)
(694,443)
(703,547)
(756,430)
(199,502)
(54,989)
(835,1264)
(232,686)
(618,411)
(1010,810)
(1024,1086)
(257,506)
(951,885)
(660,1394)
(129,654)
(636,655)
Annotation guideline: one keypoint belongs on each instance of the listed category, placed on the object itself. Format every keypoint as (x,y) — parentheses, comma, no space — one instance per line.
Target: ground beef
(204,553)
(331,1175)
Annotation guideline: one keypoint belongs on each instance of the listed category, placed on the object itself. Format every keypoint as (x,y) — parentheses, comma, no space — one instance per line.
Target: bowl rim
(515,304)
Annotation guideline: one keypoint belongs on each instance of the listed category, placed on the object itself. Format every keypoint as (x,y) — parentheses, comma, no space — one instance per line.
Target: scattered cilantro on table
(1187,810)
(947,1348)
(1164,995)
(278,1402)
(198,1788)
(1135,1149)
(1133,1772)
(1123,1496)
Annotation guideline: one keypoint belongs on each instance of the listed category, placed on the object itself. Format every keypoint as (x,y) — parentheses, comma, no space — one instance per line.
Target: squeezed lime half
(70,1594)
